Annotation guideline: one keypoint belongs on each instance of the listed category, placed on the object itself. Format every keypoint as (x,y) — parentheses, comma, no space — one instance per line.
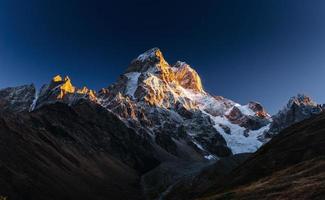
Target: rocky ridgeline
(17,99)
(62,90)
(168,106)
(298,108)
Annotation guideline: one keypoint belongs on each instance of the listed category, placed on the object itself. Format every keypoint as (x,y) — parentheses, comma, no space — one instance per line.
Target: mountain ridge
(153,130)
(168,104)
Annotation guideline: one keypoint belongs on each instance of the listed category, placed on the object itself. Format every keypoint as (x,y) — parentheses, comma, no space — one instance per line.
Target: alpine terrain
(155,133)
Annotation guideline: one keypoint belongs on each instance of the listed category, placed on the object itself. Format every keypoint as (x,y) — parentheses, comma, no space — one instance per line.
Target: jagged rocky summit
(298,108)
(169,102)
(168,106)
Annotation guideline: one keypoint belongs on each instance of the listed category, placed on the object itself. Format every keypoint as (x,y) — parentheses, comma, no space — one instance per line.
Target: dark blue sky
(243,50)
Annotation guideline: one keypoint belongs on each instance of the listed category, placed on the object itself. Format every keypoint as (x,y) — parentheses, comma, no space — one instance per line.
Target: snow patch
(132,84)
(210,157)
(236,140)
(33,105)
(148,54)
(245,110)
(206,102)
(198,145)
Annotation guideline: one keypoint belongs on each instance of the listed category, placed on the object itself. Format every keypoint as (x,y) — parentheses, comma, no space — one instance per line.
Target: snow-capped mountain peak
(163,99)
(150,61)
(151,54)
(167,104)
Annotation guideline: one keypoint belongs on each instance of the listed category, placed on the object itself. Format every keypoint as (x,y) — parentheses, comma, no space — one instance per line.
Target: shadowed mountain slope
(290,166)
(77,152)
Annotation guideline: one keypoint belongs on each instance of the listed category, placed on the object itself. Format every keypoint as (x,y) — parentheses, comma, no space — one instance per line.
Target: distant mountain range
(64,142)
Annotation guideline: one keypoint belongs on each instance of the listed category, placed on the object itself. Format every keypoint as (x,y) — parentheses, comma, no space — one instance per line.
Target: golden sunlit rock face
(188,77)
(64,89)
(154,82)
(89,92)
(155,97)
(57,78)
(161,84)
(64,85)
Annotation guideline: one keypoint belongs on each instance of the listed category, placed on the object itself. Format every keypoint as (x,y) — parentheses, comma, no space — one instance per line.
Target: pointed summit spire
(66,78)
(151,54)
(57,78)
(149,59)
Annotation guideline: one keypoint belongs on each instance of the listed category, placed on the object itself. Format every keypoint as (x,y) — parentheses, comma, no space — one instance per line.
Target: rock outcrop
(17,99)
(297,109)
(61,90)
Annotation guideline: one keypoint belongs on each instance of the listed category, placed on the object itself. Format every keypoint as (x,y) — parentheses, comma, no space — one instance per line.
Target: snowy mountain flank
(167,105)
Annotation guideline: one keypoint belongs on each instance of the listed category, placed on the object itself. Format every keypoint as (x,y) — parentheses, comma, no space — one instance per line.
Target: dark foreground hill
(78,152)
(290,166)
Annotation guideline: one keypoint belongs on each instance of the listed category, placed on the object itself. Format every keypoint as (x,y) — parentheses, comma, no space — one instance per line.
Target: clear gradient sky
(244,50)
